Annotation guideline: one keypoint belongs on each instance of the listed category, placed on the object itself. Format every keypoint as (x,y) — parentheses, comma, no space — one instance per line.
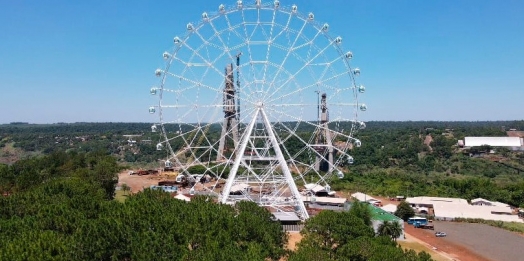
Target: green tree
(126,188)
(404,211)
(361,210)
(390,229)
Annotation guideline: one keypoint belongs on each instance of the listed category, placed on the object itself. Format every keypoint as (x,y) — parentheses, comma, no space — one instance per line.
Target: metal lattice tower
(230,123)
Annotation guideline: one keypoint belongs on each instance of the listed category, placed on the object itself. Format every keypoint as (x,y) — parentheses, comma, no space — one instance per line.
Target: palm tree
(391,229)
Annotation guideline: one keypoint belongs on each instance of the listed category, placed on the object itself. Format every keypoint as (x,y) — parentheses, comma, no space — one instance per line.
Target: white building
(390,208)
(509,142)
(451,208)
(363,197)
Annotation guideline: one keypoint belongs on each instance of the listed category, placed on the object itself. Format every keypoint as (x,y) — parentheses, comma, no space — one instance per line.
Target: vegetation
(511,226)
(404,211)
(60,207)
(344,236)
(390,229)
(396,158)
(65,212)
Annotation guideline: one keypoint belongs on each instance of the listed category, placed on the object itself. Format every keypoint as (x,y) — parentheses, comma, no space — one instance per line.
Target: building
(378,216)
(452,208)
(390,208)
(326,203)
(513,143)
(319,190)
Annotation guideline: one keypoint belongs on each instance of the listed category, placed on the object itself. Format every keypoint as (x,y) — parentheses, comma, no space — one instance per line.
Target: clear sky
(94,61)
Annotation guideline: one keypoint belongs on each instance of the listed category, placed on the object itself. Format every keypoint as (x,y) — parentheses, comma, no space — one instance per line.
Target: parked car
(440,234)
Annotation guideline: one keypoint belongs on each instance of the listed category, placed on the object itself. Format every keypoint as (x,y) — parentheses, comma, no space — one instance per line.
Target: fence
(292,228)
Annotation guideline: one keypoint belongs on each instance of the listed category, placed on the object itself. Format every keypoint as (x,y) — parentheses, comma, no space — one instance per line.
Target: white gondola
(190,27)
(363,107)
(176,40)
(166,55)
(239,4)
(158,72)
(325,27)
(356,71)
(205,17)
(327,188)
(192,191)
(349,55)
(338,40)
(153,91)
(294,8)
(277,4)
(152,110)
(311,17)
(221,8)
(159,146)
(358,143)
(362,125)
(361,89)
(153,128)
(340,174)
(350,160)
(168,164)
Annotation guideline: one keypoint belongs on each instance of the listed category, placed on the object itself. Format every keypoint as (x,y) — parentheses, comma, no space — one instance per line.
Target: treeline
(66,212)
(395,181)
(424,153)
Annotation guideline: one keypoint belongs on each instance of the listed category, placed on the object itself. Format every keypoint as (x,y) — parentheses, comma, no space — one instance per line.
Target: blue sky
(94,61)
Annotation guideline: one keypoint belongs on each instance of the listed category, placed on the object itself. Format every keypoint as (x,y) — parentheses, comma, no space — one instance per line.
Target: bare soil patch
(293,239)
(137,183)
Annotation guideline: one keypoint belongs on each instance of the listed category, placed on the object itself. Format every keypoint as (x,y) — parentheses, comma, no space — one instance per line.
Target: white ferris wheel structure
(258,97)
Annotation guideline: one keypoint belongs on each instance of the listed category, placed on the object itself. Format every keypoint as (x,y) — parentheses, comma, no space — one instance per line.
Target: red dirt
(137,183)
(441,244)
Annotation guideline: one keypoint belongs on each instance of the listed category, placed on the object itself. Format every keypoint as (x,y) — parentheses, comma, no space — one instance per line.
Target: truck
(424,226)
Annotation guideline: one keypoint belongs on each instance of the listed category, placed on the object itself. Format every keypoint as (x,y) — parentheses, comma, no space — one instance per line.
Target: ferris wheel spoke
(320,82)
(308,123)
(300,70)
(290,49)
(195,82)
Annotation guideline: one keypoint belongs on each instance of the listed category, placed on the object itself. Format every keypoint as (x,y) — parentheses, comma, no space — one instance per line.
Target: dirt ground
(455,250)
(137,183)
(294,238)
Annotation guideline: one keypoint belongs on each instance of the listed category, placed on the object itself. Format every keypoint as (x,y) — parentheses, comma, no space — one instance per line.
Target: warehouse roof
(315,188)
(363,197)
(493,141)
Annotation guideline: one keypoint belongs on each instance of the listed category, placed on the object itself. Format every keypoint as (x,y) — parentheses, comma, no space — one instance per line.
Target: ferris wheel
(258,102)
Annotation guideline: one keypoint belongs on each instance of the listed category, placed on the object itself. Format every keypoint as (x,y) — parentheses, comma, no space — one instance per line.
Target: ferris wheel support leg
(330,146)
(283,165)
(238,158)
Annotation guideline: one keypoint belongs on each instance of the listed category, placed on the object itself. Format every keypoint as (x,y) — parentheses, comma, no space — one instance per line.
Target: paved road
(490,242)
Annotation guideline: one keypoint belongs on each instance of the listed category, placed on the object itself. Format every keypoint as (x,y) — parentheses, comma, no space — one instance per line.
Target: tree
(404,211)
(361,210)
(391,229)
(126,188)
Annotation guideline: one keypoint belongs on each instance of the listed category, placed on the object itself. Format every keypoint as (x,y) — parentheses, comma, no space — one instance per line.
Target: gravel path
(490,242)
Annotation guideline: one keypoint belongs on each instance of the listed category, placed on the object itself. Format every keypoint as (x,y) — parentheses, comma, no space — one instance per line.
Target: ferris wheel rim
(270,99)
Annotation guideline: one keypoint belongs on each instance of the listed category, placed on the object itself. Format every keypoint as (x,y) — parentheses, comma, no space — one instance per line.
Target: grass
(121,196)
(419,248)
(511,226)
